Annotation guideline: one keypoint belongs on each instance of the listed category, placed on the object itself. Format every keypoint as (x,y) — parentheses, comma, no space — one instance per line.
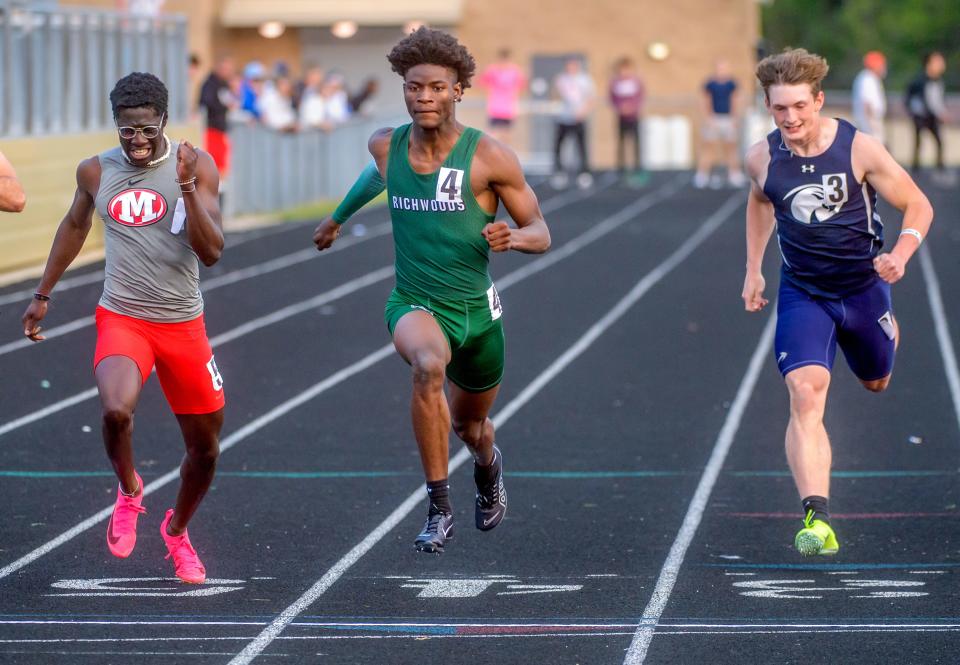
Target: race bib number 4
(450,185)
(493,298)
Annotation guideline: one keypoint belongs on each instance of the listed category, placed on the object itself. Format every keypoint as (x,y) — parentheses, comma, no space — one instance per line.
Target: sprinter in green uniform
(444,183)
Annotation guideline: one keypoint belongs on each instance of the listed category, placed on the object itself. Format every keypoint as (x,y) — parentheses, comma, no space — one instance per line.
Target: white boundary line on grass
(272,632)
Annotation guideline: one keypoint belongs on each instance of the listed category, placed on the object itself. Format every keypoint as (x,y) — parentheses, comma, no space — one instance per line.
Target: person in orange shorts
(158,202)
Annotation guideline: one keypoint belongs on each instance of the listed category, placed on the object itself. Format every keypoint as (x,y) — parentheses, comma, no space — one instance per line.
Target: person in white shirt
(869,96)
(577,93)
(276,106)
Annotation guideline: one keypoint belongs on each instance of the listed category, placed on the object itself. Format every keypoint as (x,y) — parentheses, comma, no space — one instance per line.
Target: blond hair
(792,67)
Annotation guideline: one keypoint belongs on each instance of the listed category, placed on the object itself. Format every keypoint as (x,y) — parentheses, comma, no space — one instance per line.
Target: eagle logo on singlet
(137,207)
(818,202)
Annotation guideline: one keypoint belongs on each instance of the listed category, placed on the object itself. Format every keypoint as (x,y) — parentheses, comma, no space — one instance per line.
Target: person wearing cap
(254,74)
(869,97)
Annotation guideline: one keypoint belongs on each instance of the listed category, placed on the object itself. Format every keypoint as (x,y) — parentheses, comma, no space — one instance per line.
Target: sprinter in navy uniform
(815,180)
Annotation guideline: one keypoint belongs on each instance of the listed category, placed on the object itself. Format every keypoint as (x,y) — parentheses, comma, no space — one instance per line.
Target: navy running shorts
(809,328)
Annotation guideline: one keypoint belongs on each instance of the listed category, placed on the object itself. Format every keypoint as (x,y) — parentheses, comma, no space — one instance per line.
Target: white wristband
(913,232)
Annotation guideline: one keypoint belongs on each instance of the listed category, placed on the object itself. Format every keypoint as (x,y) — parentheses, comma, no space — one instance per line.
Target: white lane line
(283,408)
(63,285)
(671,567)
(211,284)
(547,260)
(941,328)
(257,270)
(244,329)
(271,633)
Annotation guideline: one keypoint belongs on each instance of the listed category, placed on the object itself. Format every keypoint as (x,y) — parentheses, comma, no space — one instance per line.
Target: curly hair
(137,90)
(433,47)
(792,67)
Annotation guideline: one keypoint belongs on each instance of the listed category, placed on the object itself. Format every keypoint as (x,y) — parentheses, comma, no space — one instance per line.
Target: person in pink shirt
(504,81)
(627,95)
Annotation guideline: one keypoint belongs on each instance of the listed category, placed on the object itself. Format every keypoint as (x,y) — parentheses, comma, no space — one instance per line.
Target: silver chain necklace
(154,162)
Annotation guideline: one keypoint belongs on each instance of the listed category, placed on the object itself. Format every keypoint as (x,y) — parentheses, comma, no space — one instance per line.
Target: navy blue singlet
(828,227)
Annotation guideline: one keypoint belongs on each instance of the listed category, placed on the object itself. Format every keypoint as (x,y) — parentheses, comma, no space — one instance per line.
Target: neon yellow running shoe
(816,537)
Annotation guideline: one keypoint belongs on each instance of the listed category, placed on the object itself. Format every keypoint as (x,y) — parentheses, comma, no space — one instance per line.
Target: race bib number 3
(493,298)
(835,190)
(450,185)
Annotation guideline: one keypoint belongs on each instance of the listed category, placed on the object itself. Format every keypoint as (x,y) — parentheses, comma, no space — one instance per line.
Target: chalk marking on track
(941,328)
(272,632)
(671,567)
(334,379)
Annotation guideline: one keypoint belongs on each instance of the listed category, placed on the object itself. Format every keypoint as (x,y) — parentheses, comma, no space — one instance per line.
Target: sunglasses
(148,131)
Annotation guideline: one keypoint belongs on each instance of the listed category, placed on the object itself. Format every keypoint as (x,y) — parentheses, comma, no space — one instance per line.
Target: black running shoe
(491,495)
(437,530)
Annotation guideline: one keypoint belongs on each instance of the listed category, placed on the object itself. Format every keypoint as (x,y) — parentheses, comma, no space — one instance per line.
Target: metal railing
(57,66)
(272,171)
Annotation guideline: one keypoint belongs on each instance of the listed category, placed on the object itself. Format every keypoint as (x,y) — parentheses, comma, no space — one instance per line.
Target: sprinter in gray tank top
(158,201)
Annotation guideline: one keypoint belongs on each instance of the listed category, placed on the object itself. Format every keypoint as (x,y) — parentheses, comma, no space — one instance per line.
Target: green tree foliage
(843,30)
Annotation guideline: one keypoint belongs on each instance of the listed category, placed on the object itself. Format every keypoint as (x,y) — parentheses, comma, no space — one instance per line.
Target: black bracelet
(41,297)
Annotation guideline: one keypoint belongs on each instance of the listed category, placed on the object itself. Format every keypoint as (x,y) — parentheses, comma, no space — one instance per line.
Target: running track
(641,418)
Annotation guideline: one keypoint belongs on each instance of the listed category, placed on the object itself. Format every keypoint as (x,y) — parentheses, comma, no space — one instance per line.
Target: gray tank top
(152,272)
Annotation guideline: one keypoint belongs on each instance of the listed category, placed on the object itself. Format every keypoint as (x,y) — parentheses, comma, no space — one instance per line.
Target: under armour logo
(808,168)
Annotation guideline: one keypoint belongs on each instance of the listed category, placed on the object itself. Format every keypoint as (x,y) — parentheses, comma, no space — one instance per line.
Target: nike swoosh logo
(112,538)
(131,182)
(446,532)
(487,522)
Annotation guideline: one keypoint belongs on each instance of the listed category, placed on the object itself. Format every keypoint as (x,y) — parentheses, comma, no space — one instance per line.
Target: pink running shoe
(185,560)
(122,527)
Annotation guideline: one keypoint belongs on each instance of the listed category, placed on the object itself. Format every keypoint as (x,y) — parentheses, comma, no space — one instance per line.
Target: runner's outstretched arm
(506,180)
(367,187)
(760,225)
(201,200)
(67,243)
(896,187)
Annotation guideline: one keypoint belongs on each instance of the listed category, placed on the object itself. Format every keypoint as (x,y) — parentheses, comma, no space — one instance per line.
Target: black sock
(818,504)
(484,475)
(439,493)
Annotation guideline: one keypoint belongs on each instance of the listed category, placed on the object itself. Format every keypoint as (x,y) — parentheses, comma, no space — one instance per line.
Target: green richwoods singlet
(437,222)
(442,260)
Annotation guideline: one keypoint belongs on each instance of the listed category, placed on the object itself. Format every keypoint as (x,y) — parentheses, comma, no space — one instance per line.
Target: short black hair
(433,47)
(137,90)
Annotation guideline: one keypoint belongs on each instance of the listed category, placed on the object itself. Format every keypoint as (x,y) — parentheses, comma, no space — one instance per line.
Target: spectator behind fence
(504,81)
(217,99)
(627,96)
(363,95)
(719,133)
(276,106)
(335,101)
(926,105)
(312,111)
(869,97)
(312,80)
(254,75)
(577,93)
(12,197)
